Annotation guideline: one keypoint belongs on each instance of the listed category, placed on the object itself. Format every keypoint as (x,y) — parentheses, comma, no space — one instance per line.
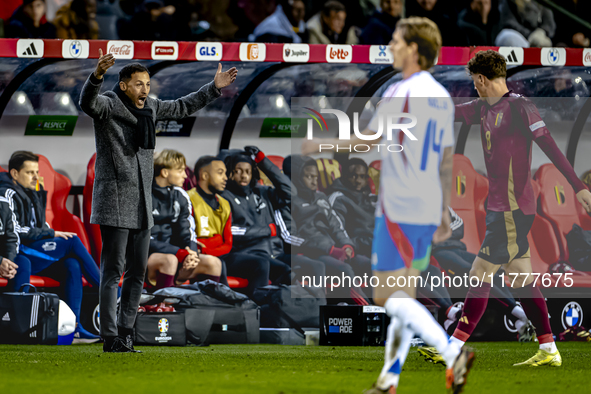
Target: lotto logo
(339,53)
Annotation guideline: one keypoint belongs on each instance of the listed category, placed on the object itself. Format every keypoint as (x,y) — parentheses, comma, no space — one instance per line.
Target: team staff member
(213,217)
(9,242)
(124,123)
(44,249)
(173,244)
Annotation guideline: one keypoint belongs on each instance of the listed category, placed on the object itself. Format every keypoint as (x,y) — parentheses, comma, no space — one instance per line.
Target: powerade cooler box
(353,325)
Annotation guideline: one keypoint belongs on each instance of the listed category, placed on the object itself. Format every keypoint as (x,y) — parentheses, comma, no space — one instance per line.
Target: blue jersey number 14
(430,142)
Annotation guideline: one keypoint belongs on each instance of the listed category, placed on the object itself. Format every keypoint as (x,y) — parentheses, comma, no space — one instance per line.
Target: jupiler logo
(387,124)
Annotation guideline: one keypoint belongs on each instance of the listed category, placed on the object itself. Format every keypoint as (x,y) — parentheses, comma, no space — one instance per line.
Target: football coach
(125,135)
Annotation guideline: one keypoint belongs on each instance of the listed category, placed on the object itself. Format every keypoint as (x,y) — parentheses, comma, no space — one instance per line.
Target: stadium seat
(329,170)
(93,230)
(544,247)
(191,180)
(277,160)
(558,204)
(58,188)
(468,195)
(374,176)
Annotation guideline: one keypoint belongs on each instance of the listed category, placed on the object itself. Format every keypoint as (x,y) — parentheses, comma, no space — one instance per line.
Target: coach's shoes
(431,355)
(116,345)
(376,390)
(129,344)
(543,357)
(455,377)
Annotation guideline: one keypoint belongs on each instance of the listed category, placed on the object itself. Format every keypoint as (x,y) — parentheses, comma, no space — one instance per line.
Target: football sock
(534,305)
(417,318)
(474,307)
(390,374)
(519,313)
(457,341)
(550,347)
(163,280)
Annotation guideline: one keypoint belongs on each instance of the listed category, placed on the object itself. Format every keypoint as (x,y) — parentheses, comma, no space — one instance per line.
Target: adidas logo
(6,317)
(30,51)
(512,57)
(155,212)
(485,250)
(31,48)
(464,320)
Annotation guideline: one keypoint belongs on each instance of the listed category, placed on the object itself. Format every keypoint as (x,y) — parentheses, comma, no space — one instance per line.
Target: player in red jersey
(509,124)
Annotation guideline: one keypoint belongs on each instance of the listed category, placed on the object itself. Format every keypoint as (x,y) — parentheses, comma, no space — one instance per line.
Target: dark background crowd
(521,23)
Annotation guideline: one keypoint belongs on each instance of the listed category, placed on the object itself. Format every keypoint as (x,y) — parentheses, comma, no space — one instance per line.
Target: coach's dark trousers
(123,249)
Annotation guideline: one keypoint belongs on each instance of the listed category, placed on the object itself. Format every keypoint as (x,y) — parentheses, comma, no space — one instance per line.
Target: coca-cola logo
(123,50)
(338,54)
(164,50)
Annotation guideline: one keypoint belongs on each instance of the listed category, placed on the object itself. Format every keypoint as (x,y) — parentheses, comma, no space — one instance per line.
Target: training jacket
(256,207)
(174,225)
(29,208)
(316,222)
(9,239)
(356,209)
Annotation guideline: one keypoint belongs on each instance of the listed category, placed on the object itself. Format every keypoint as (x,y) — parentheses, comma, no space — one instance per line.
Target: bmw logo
(96,319)
(553,56)
(572,315)
(76,48)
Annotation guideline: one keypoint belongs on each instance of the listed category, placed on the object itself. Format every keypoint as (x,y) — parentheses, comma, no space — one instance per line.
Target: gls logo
(208,51)
(392,122)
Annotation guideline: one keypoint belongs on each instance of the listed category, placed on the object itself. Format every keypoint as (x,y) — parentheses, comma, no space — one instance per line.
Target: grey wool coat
(122,195)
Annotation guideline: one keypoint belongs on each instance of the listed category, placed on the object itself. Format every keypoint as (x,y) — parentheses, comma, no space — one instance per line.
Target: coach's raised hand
(105,62)
(223,79)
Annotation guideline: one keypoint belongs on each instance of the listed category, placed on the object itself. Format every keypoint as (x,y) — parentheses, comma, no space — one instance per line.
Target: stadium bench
(94,230)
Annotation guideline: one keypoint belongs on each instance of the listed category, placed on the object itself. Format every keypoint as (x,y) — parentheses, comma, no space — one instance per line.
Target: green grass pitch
(275,369)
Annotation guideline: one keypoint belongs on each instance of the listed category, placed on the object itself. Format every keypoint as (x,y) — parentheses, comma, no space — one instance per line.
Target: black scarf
(146,129)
